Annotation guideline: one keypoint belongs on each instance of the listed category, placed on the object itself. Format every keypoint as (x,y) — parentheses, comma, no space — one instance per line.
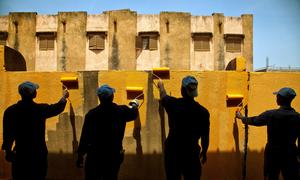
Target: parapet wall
(144,158)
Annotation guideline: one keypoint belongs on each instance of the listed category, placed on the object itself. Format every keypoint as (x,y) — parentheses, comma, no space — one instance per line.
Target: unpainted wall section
(46,23)
(201,24)
(121,35)
(71,41)
(22,37)
(218,39)
(97,59)
(247,23)
(175,37)
(3,23)
(232,25)
(147,22)
(46,60)
(97,22)
(148,59)
(202,60)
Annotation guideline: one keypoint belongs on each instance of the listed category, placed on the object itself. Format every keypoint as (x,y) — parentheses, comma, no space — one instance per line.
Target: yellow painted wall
(144,158)
(261,98)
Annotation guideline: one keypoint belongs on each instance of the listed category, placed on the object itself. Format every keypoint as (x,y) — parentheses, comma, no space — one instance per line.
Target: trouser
(276,162)
(186,164)
(24,167)
(105,167)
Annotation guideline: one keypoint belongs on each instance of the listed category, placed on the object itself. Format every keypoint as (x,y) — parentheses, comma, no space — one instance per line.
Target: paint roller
(161,72)
(135,92)
(69,82)
(234,100)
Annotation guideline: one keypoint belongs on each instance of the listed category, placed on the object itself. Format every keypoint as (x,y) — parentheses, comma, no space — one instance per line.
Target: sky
(276,23)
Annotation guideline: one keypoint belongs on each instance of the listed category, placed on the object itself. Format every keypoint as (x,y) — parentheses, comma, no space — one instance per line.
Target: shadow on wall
(14,60)
(137,166)
(220,166)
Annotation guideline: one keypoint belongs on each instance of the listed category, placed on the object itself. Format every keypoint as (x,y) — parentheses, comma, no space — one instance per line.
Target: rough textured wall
(3,23)
(121,35)
(71,41)
(232,25)
(247,22)
(218,39)
(202,60)
(145,153)
(22,37)
(148,59)
(46,23)
(147,22)
(59,130)
(97,59)
(175,37)
(261,98)
(46,60)
(2,68)
(202,24)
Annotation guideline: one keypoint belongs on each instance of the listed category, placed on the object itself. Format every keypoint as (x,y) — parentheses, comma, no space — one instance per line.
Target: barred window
(46,41)
(147,41)
(3,38)
(202,41)
(97,41)
(233,42)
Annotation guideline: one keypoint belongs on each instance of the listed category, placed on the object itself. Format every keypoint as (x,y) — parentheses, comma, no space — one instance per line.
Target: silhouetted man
(188,122)
(24,126)
(102,135)
(283,127)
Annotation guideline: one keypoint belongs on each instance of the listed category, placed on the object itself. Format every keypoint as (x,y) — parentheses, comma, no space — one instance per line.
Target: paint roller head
(234,100)
(234,96)
(134,92)
(161,72)
(69,82)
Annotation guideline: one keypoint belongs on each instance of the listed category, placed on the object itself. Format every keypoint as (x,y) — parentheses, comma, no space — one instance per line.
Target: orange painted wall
(144,158)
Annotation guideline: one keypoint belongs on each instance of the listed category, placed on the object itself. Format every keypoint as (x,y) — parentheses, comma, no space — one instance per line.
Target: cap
(190,83)
(105,91)
(27,88)
(286,92)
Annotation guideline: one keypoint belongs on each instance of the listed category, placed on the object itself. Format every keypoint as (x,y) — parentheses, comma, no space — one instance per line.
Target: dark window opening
(233,42)
(202,41)
(96,40)
(46,41)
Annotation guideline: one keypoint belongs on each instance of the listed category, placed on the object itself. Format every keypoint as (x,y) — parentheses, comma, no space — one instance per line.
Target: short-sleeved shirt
(188,122)
(283,127)
(103,128)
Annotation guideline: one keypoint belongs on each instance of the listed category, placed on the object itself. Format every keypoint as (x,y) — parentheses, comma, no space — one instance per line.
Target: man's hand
(238,115)
(9,156)
(134,103)
(79,162)
(203,157)
(161,88)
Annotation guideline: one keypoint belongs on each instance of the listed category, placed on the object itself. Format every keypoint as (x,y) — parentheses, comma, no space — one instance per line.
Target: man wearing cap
(24,126)
(188,122)
(283,128)
(102,135)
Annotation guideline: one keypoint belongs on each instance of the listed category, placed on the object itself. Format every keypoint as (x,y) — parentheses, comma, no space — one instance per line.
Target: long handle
(245,146)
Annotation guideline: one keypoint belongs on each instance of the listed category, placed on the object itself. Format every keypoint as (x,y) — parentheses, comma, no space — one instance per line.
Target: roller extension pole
(244,175)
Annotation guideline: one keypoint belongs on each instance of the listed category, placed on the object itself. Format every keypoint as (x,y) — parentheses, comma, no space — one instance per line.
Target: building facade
(125,40)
